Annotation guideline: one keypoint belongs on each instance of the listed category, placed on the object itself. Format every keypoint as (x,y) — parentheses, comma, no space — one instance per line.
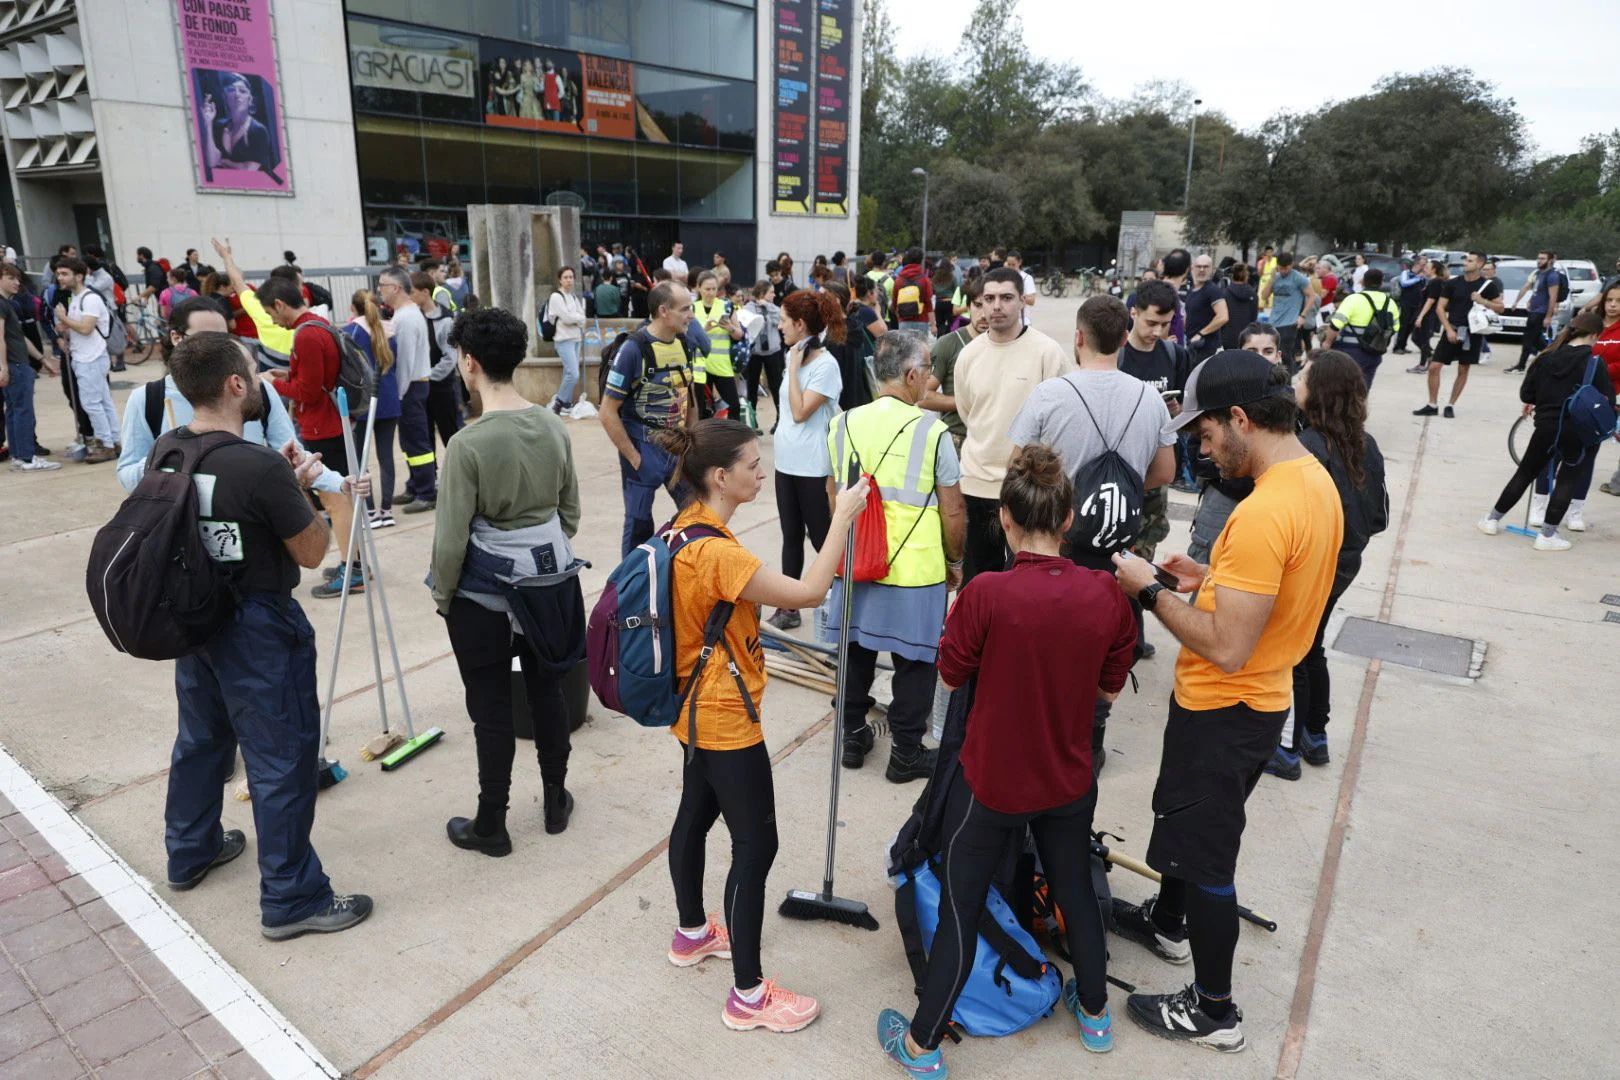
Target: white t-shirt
(84,348)
(1357,276)
(677,267)
(801,449)
(1029,290)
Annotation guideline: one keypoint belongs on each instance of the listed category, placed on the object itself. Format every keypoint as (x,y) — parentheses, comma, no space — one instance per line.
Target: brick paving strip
(99,977)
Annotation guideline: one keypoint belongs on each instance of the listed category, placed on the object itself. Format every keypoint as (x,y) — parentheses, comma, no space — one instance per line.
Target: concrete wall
(801,237)
(143,128)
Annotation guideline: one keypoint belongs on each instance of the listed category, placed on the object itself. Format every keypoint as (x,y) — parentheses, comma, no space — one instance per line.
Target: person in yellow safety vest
(276,341)
(909,453)
(441,294)
(718,318)
(1268,268)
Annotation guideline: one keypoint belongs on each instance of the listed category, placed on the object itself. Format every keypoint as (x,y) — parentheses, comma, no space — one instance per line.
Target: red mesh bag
(871,552)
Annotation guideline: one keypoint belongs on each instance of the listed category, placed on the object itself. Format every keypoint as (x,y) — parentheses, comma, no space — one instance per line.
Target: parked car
(1584,284)
(1513,273)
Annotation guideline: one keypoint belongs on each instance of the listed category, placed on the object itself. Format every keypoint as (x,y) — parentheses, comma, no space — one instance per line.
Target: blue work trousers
(253,686)
(416,440)
(641,488)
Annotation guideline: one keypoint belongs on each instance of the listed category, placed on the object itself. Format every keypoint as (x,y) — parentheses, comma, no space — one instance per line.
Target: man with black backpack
(1108,429)
(650,371)
(1364,325)
(313,370)
(253,681)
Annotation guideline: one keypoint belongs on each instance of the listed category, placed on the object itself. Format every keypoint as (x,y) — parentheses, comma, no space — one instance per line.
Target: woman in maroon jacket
(1044,639)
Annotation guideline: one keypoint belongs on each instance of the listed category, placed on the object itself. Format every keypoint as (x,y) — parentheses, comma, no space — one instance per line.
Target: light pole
(1192,136)
(922,172)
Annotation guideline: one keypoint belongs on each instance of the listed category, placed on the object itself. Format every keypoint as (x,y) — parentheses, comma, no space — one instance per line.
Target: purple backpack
(630,640)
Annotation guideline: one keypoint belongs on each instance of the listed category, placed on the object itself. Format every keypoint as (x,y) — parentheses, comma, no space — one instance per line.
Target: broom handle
(388,626)
(1138,867)
(343,598)
(368,571)
(841,694)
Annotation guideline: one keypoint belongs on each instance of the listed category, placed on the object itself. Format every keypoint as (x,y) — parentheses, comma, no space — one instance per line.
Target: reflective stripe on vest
(905,479)
(719,358)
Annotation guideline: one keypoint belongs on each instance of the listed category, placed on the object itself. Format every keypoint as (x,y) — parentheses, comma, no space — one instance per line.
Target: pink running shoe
(777,1010)
(685,952)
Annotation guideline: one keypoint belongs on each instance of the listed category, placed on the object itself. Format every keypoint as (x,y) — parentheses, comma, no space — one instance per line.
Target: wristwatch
(1150,596)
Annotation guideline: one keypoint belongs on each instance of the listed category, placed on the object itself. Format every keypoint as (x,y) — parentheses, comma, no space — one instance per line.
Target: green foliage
(972,208)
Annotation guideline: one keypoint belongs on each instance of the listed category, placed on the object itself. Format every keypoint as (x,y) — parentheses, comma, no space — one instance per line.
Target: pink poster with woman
(239,141)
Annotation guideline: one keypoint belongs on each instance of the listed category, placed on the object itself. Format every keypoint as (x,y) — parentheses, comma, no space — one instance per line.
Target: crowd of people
(1007,468)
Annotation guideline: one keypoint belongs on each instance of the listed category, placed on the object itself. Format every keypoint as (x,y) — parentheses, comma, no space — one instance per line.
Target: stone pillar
(516,253)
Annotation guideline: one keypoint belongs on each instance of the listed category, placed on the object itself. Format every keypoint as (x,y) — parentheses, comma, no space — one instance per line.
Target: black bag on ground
(153,587)
(1108,494)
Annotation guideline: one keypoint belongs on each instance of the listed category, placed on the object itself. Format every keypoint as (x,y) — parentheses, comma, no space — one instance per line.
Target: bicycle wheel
(1519,437)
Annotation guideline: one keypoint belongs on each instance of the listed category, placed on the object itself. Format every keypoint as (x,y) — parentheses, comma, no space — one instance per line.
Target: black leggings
(801,502)
(382,434)
(735,784)
(986,546)
(484,645)
(1313,687)
(773,365)
(1540,451)
(979,839)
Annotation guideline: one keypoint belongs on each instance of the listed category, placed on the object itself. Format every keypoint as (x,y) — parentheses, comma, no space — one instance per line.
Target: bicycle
(1056,283)
(1093,281)
(146,331)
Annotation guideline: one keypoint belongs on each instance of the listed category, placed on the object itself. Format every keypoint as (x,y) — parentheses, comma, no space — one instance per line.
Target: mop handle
(842,690)
(368,572)
(343,603)
(370,540)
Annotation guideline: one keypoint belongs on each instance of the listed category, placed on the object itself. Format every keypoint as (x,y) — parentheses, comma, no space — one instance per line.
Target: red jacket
(1042,638)
(913,274)
(312,374)
(1607,349)
(242,324)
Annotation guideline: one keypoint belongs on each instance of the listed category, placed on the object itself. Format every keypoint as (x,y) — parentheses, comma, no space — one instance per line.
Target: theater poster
(239,136)
(791,77)
(540,89)
(832,106)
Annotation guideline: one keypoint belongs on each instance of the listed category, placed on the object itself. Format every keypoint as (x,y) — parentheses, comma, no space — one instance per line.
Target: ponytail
(1586,324)
(821,313)
(365,307)
(703,447)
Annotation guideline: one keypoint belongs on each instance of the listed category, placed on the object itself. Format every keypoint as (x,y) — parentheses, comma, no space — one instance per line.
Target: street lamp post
(1192,136)
(922,172)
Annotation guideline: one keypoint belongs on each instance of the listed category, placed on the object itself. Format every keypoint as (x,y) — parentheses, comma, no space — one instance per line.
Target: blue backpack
(630,640)
(1588,413)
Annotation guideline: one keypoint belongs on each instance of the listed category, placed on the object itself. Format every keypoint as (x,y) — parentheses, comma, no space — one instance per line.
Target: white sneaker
(42,465)
(1538,510)
(1489,526)
(1552,543)
(1573,520)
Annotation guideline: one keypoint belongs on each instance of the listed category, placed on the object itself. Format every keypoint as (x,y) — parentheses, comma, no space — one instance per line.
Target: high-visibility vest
(718,361)
(445,299)
(898,444)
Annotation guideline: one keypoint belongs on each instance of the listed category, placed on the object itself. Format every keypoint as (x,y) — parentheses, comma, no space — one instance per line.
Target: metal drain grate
(1440,653)
(1611,616)
(1611,599)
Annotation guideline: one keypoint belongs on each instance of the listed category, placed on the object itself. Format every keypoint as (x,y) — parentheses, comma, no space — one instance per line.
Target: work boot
(235,843)
(338,915)
(463,835)
(559,806)
(857,744)
(917,765)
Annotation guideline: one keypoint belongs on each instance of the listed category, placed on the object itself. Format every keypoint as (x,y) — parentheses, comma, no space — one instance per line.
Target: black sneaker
(1136,922)
(1284,764)
(917,766)
(342,913)
(786,619)
(404,498)
(235,843)
(1427,410)
(1450,413)
(1179,1017)
(460,831)
(421,506)
(1315,748)
(1148,650)
(559,807)
(857,744)
(41,451)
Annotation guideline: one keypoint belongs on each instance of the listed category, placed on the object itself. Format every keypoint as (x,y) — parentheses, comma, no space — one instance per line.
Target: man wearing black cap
(1254,617)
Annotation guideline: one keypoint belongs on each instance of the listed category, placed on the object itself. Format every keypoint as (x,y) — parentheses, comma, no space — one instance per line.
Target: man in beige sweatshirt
(995,374)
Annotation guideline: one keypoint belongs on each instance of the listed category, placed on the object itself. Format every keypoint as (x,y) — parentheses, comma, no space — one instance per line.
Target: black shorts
(1212,760)
(333,454)
(1447,350)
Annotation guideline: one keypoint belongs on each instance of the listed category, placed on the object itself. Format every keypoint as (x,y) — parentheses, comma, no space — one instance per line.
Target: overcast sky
(1230,61)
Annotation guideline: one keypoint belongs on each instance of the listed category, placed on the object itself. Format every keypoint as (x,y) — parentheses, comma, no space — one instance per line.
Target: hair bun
(1039,464)
(676,440)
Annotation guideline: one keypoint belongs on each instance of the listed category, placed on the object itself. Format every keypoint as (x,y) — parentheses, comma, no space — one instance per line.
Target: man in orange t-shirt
(1254,617)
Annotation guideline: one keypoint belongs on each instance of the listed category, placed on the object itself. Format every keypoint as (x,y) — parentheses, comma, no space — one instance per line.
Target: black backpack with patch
(1108,494)
(151,583)
(1379,333)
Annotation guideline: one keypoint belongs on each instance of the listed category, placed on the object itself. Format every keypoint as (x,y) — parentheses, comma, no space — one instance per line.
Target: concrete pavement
(1472,805)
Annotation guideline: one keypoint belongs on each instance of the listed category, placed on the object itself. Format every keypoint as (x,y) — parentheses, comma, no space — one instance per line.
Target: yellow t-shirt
(706,572)
(1283,541)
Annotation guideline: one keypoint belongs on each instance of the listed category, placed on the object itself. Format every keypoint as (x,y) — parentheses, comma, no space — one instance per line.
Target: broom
(807,903)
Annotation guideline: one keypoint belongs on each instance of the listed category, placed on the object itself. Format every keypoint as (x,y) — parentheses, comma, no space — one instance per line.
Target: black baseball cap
(1230,377)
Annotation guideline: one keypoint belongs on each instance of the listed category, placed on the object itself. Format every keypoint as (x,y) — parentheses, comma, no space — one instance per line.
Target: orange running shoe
(687,952)
(777,1010)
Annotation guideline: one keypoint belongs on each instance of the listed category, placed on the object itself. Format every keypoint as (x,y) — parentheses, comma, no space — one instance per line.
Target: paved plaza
(1433,888)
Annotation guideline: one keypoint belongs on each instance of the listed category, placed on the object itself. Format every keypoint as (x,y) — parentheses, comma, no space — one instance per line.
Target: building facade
(348,131)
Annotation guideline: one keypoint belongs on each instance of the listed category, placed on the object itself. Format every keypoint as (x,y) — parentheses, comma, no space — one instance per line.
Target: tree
(1255,191)
(972,208)
(1055,195)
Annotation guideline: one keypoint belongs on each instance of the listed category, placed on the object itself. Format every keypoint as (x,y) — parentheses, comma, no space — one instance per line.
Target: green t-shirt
(944,354)
(514,469)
